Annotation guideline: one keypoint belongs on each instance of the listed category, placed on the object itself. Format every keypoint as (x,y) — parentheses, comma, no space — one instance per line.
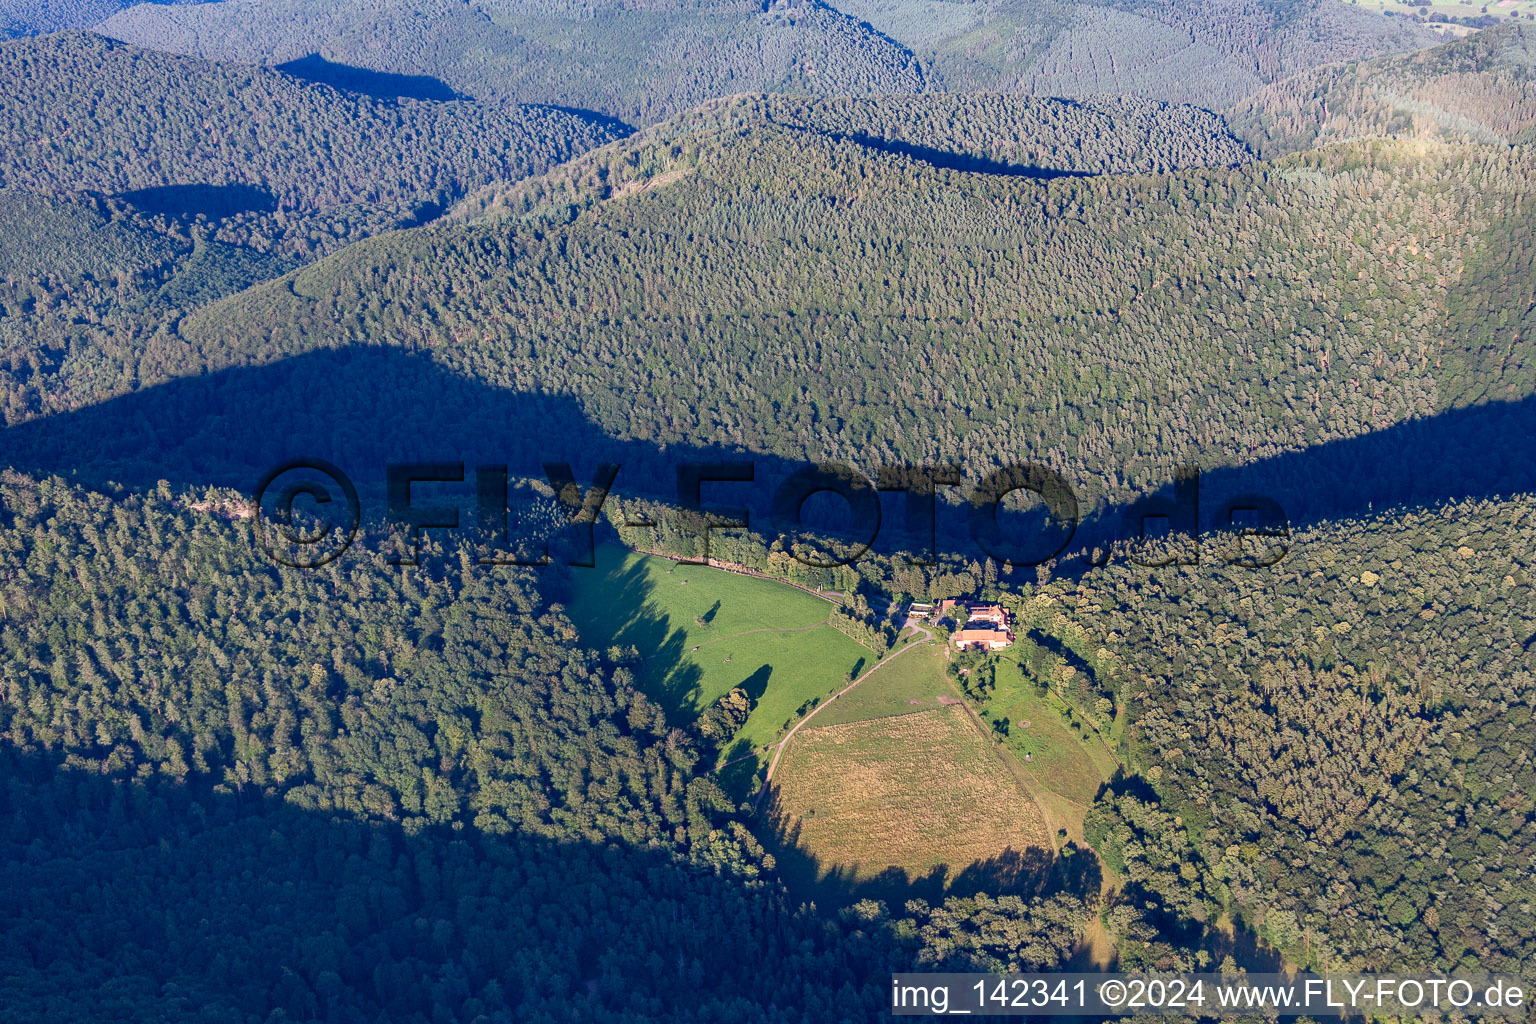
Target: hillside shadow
(381,85)
(216,202)
(946,159)
(1476,452)
(953,161)
(359,408)
(157,900)
(363,407)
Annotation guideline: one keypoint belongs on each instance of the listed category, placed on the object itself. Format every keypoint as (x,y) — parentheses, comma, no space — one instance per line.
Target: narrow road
(735,760)
(778,748)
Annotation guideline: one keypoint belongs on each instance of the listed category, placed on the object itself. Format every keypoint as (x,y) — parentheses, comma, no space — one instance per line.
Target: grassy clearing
(1500,9)
(1060,758)
(910,792)
(768,638)
(902,686)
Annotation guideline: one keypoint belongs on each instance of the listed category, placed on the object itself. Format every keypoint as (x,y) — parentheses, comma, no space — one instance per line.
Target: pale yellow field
(910,792)
(1500,9)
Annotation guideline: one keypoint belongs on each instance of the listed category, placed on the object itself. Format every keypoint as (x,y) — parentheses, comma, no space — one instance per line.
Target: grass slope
(911,792)
(1061,758)
(1064,765)
(771,639)
(903,686)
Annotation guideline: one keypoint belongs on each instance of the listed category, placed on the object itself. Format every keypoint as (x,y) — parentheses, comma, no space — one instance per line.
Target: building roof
(981,636)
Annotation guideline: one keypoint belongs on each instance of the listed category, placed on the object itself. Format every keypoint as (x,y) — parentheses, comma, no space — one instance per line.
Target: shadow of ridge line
(381,85)
(181,936)
(358,407)
(362,407)
(945,159)
(1476,452)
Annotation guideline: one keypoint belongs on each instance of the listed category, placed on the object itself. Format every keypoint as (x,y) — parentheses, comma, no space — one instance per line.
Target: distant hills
(1012,134)
(1207,52)
(636,62)
(32,17)
(643,61)
(138,185)
(1476,89)
(187,136)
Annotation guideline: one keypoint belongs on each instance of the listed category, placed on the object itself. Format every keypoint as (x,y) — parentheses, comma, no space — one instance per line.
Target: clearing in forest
(701,631)
(911,792)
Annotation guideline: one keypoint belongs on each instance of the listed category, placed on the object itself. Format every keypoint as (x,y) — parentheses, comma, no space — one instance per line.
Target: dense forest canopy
(32,17)
(141,185)
(645,61)
(638,63)
(1476,89)
(1339,745)
(1024,135)
(186,136)
(364,792)
(867,306)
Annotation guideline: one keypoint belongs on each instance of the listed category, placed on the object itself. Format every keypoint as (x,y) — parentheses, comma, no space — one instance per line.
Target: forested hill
(1478,89)
(139,185)
(637,62)
(645,61)
(866,305)
(372,792)
(190,137)
(1012,134)
(1207,52)
(1298,737)
(32,17)
(1000,135)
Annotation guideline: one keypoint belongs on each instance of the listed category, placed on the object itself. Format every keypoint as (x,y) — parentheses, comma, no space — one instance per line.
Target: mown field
(903,686)
(910,792)
(702,631)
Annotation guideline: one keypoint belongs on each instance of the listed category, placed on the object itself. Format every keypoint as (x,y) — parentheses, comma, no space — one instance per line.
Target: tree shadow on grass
(756,684)
(1028,870)
(619,609)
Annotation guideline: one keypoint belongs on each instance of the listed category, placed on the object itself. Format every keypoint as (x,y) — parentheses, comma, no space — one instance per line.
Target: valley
(1243,276)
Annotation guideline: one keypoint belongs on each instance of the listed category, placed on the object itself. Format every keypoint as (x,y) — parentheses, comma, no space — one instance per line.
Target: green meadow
(702,631)
(1067,760)
(902,686)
